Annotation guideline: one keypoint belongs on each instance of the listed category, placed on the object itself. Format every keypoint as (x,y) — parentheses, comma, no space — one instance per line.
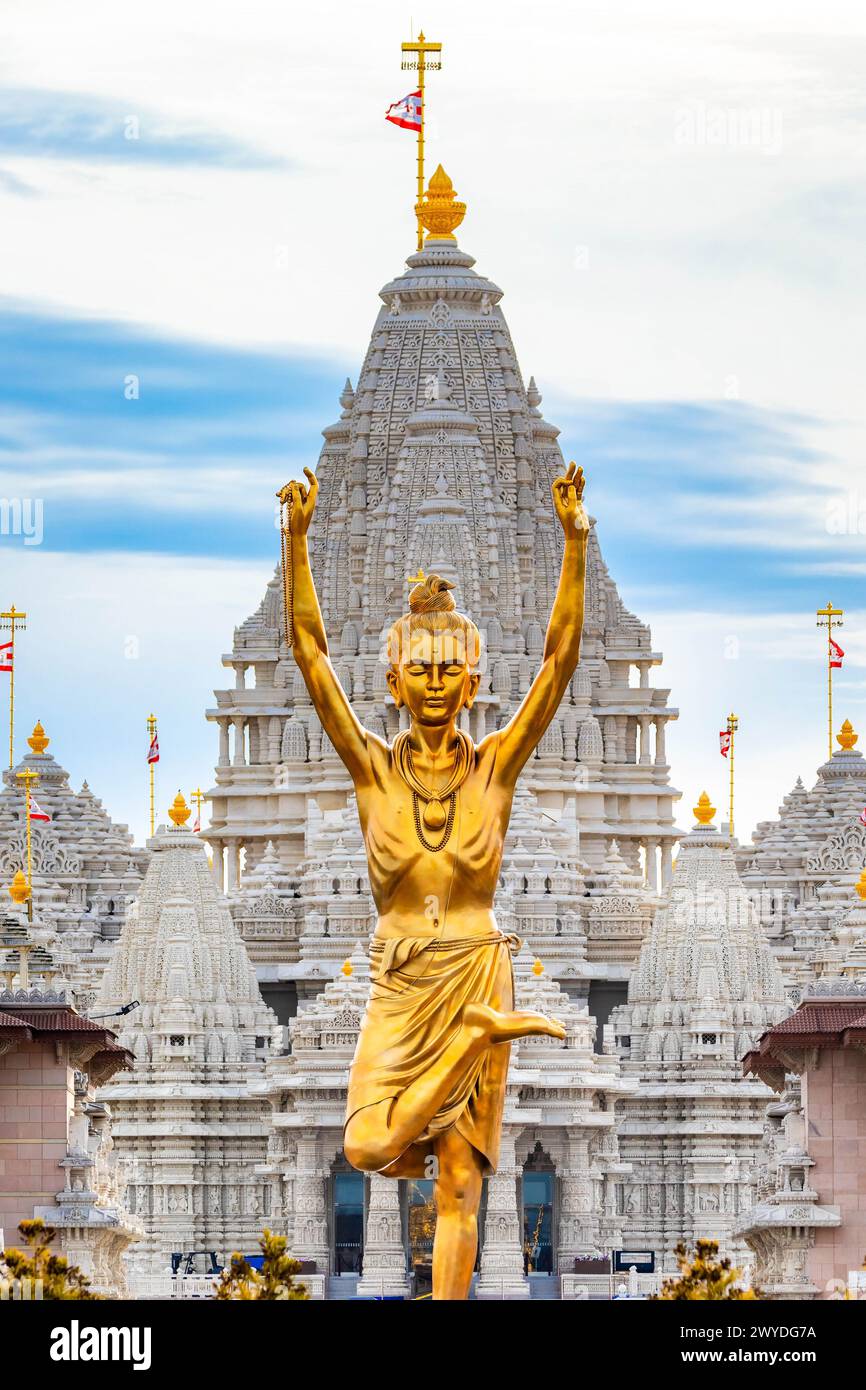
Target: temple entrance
(538,1195)
(348,1219)
(420,1230)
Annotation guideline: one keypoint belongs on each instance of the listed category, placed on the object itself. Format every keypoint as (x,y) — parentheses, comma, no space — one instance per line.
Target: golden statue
(427,1084)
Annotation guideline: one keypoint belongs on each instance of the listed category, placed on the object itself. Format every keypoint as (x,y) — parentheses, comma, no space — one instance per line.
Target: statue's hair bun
(432,596)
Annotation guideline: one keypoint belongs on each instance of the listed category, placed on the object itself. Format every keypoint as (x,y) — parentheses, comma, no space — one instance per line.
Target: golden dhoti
(413,1014)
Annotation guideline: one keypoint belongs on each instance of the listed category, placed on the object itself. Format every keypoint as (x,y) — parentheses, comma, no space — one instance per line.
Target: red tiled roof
(816,1023)
(814,1017)
(8,1023)
(60,1020)
(57,1020)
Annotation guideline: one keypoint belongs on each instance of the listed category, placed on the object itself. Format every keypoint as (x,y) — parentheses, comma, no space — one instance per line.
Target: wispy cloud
(137,442)
(734,500)
(140,441)
(79,126)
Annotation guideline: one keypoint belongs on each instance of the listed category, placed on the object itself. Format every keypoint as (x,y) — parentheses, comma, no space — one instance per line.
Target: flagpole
(733,725)
(9,621)
(151,729)
(28,776)
(829,618)
(419,63)
(421,72)
(198,797)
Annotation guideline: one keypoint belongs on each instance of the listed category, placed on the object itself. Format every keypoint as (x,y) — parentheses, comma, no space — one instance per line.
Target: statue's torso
(422,892)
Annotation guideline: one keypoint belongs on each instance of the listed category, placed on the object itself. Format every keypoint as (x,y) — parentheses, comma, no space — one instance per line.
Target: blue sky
(691,312)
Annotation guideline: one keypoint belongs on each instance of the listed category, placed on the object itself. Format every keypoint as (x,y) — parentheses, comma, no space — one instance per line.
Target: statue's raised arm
(306,632)
(562,644)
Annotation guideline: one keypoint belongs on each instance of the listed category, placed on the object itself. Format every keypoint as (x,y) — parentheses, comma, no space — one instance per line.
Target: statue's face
(434,679)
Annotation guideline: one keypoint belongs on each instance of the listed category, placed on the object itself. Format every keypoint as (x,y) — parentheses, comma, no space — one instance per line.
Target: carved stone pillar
(661,755)
(217,867)
(652,865)
(234,872)
(578,1222)
(630,739)
(240,757)
(263,751)
(610,732)
(501,1274)
(223,760)
(644,721)
(311,1217)
(384,1270)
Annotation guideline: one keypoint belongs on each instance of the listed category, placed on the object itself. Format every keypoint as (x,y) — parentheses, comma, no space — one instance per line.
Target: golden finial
(347,968)
(860,886)
(37,740)
(416,578)
(846,737)
(704,811)
(178,811)
(537,968)
(18,890)
(439,212)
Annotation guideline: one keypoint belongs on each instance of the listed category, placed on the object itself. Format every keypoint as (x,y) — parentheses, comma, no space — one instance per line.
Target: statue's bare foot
(497,1027)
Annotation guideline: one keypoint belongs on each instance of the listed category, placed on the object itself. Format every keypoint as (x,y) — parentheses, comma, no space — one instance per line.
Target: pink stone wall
(835,1104)
(36,1100)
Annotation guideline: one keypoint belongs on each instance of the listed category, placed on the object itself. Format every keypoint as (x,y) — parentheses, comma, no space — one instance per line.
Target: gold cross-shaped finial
(416,578)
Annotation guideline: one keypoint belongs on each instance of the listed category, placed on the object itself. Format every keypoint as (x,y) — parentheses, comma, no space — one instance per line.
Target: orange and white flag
(406,113)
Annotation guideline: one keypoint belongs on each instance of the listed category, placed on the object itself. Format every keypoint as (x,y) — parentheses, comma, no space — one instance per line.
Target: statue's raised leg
(372,1141)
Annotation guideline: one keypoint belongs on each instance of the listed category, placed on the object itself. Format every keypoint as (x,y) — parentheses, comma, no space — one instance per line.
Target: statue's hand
(568,501)
(302,502)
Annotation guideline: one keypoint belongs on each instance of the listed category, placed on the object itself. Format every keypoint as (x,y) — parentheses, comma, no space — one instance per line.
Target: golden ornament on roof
(178,811)
(347,968)
(37,740)
(846,737)
(860,886)
(18,889)
(439,211)
(704,811)
(537,968)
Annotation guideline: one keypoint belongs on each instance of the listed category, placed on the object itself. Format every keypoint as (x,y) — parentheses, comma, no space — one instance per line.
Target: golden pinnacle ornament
(37,742)
(440,212)
(19,890)
(178,812)
(705,810)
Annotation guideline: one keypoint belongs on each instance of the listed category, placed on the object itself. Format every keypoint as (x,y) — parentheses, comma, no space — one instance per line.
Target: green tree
(38,1263)
(275,1279)
(704,1276)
